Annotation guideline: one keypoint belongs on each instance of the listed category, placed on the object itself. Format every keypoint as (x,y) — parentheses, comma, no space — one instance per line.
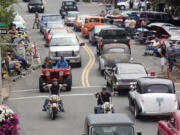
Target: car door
(137,94)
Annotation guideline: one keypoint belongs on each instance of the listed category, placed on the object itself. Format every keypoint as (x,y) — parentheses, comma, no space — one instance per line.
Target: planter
(9,121)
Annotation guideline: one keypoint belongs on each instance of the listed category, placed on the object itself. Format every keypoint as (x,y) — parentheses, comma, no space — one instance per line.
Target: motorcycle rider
(47,63)
(103,96)
(54,88)
(62,63)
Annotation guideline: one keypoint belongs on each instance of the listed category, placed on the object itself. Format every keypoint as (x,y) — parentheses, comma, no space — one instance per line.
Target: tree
(7,11)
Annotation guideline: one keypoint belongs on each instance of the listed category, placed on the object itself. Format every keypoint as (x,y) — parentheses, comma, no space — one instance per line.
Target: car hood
(112,59)
(130,76)
(64,48)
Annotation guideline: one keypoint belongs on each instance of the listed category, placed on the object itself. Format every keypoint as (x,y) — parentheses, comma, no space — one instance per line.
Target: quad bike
(63,75)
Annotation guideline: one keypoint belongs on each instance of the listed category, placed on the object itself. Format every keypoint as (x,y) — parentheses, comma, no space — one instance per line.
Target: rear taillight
(129,43)
(152,73)
(142,100)
(101,44)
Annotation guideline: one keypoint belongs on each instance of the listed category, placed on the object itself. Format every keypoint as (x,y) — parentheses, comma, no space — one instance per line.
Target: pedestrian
(132,26)
(126,24)
(171,55)
(36,21)
(163,54)
(131,3)
(12,31)
(143,5)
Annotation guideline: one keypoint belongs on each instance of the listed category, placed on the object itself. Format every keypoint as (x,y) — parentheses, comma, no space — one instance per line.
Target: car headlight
(76,53)
(30,6)
(47,73)
(42,6)
(61,73)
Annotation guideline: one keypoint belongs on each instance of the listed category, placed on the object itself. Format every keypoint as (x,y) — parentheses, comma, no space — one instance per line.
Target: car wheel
(122,7)
(136,111)
(41,81)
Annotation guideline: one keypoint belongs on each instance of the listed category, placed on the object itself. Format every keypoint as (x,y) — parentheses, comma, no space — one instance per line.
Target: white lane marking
(75,87)
(65,95)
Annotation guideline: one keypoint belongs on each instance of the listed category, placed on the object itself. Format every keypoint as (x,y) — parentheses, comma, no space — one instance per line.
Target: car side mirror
(82,44)
(139,133)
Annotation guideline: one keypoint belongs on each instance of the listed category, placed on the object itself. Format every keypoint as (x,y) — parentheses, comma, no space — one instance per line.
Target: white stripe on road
(67,95)
(75,87)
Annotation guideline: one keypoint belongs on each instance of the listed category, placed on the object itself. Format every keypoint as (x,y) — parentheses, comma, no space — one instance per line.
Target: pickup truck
(111,35)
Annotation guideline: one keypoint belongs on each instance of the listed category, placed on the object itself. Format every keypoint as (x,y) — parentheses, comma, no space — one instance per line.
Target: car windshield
(69,3)
(53,25)
(114,34)
(35,2)
(64,41)
(131,69)
(51,18)
(116,50)
(157,88)
(53,32)
(113,130)
(72,14)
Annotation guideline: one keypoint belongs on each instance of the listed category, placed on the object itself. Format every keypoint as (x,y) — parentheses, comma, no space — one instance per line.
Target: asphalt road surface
(26,100)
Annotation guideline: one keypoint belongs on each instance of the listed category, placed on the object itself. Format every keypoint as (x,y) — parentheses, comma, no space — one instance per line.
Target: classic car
(112,54)
(89,24)
(109,124)
(70,18)
(122,5)
(153,97)
(54,31)
(79,22)
(47,18)
(67,45)
(111,35)
(170,127)
(66,6)
(93,34)
(122,75)
(35,6)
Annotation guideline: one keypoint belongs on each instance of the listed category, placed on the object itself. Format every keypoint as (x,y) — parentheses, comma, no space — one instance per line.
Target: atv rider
(62,63)
(47,63)
(103,96)
(54,88)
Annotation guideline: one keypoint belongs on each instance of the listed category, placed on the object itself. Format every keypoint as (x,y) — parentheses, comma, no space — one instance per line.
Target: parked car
(170,127)
(36,6)
(70,18)
(153,97)
(93,34)
(50,25)
(66,45)
(111,35)
(122,75)
(66,6)
(79,22)
(54,31)
(109,124)
(48,18)
(122,5)
(112,54)
(90,22)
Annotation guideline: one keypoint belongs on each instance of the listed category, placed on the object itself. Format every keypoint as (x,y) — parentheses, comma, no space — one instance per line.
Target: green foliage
(4,47)
(116,12)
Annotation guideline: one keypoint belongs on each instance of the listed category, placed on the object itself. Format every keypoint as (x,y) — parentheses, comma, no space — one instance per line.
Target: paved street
(26,100)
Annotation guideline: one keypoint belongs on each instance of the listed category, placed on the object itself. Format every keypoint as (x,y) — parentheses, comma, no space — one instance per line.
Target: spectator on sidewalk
(143,5)
(132,26)
(163,54)
(131,3)
(171,55)
(127,23)
(12,31)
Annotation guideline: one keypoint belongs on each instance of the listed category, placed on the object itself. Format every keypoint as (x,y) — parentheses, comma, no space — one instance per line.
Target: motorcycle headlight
(47,73)
(61,73)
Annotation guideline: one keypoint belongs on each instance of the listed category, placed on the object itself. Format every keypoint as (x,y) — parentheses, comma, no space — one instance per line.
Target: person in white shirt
(126,23)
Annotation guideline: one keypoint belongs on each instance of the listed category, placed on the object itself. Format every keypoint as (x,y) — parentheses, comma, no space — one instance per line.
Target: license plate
(159,100)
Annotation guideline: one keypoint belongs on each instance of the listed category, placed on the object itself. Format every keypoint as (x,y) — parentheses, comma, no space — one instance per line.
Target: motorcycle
(106,108)
(53,106)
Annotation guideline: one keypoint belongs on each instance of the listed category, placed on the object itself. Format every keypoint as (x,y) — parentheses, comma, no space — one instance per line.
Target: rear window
(94,20)
(111,34)
(157,88)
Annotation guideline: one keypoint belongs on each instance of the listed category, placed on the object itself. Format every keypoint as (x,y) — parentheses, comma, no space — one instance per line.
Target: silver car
(53,24)
(70,18)
(66,45)
(153,97)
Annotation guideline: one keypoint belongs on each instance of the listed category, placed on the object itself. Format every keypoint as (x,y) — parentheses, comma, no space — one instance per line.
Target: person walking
(36,20)
(163,54)
(171,55)
(126,24)
(132,26)
(131,3)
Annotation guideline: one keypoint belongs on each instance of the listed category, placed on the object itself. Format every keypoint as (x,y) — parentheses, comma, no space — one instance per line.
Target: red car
(171,127)
(53,31)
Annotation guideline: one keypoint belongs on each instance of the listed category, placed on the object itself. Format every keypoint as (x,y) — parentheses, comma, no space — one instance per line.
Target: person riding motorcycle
(54,88)
(62,63)
(103,96)
(47,63)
